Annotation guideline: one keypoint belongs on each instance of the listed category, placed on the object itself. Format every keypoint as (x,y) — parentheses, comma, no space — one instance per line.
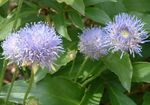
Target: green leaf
(2,2)
(88,71)
(76,4)
(118,98)
(76,19)
(145,18)
(137,5)
(121,67)
(40,74)
(141,72)
(51,4)
(7,27)
(146,98)
(50,90)
(61,26)
(94,93)
(97,15)
(114,7)
(64,59)
(93,2)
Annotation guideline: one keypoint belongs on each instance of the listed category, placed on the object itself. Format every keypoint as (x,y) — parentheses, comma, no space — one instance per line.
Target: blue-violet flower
(126,33)
(93,43)
(38,43)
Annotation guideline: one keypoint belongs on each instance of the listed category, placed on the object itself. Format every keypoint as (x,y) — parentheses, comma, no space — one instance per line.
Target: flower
(11,48)
(38,44)
(93,43)
(126,33)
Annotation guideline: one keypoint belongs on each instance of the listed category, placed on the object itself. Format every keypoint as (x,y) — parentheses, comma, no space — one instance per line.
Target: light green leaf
(76,4)
(118,98)
(141,72)
(146,98)
(6,27)
(121,67)
(50,90)
(40,74)
(114,7)
(61,26)
(76,19)
(2,2)
(97,15)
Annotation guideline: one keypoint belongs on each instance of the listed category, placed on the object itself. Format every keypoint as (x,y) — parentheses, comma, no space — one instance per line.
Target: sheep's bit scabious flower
(35,43)
(126,33)
(93,43)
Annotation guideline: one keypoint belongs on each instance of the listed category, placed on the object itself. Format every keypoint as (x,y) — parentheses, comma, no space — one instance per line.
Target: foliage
(75,79)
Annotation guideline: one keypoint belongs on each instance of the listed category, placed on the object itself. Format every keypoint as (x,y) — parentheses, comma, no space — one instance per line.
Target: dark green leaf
(51,4)
(146,98)
(94,93)
(61,26)
(97,15)
(88,71)
(93,2)
(114,7)
(76,4)
(76,19)
(118,98)
(121,67)
(137,5)
(141,72)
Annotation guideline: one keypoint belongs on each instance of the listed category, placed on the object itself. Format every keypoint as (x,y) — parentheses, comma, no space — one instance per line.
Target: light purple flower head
(126,33)
(11,48)
(38,44)
(93,43)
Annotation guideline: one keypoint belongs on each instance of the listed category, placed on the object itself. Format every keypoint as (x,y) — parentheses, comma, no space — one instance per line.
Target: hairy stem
(29,87)
(11,85)
(2,73)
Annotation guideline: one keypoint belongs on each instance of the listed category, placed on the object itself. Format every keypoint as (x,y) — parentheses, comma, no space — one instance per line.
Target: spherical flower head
(126,33)
(11,48)
(93,43)
(40,44)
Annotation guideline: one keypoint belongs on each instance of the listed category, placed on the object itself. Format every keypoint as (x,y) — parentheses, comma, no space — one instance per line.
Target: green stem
(81,68)
(11,86)
(29,87)
(73,63)
(93,77)
(3,73)
(20,2)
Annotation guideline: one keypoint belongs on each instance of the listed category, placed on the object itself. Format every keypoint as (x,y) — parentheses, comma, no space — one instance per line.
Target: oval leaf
(56,91)
(141,72)
(121,67)
(76,4)
(118,98)
(97,15)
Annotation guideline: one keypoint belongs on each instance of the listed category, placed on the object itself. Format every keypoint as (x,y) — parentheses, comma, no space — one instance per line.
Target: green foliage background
(108,81)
